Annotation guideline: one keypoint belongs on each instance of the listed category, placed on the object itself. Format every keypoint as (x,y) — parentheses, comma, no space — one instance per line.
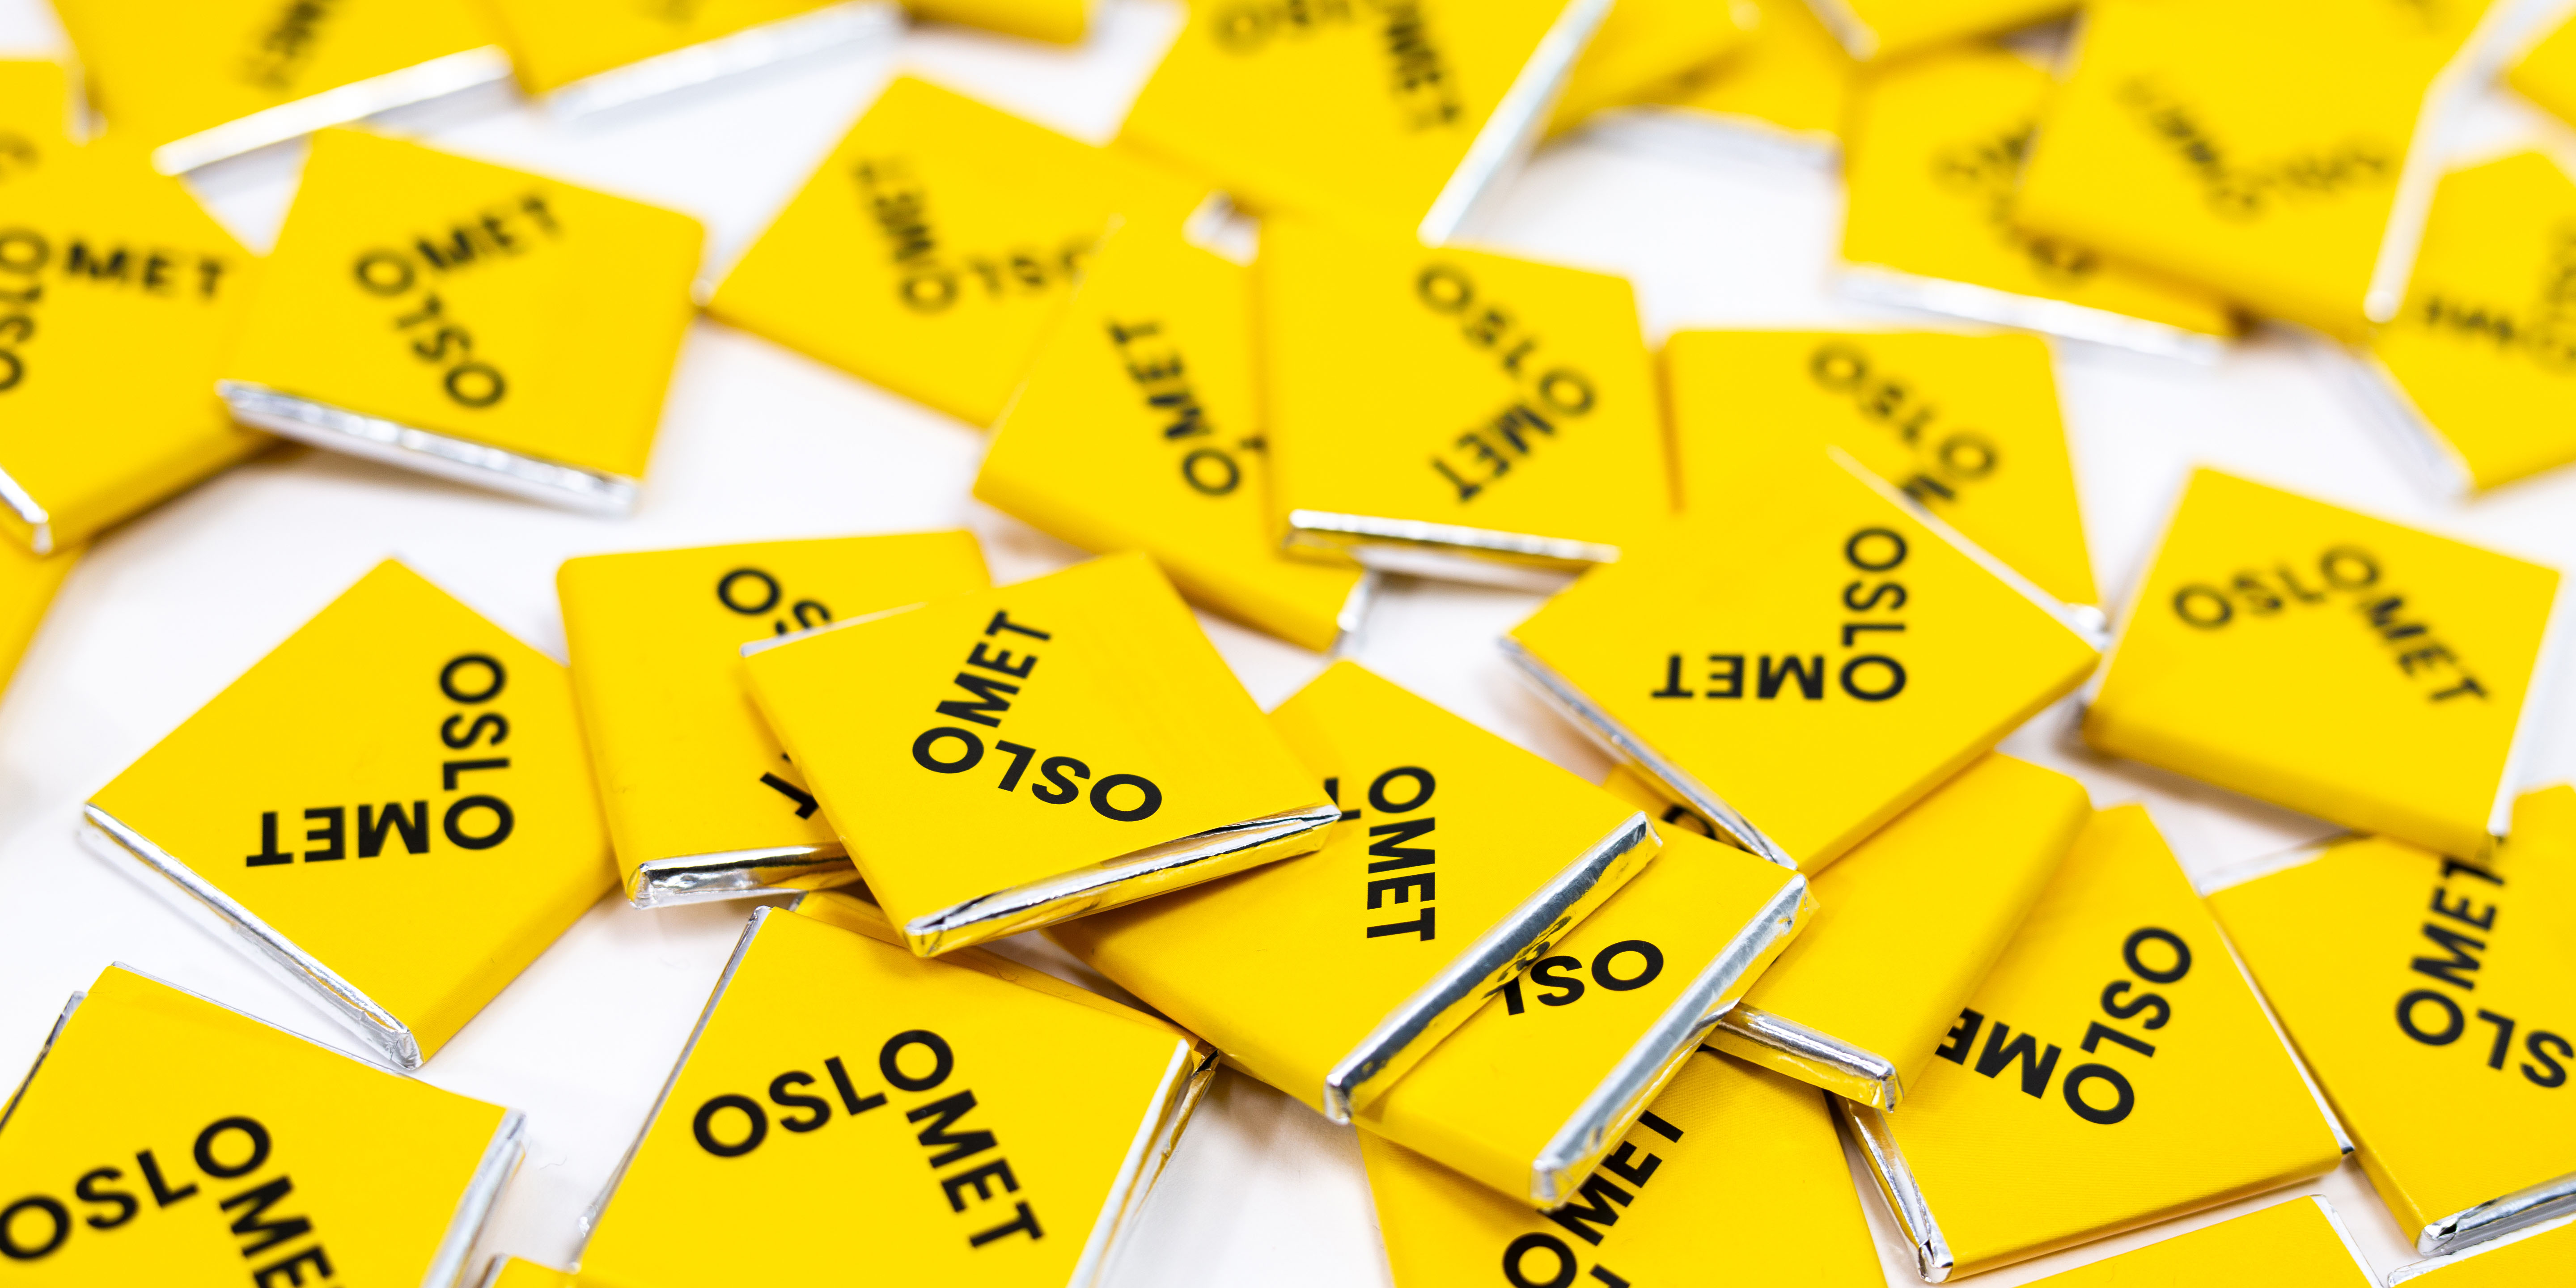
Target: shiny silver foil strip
(386,1034)
(1141,874)
(446,456)
(1615,1105)
(1414,1027)
(437,78)
(1827,1061)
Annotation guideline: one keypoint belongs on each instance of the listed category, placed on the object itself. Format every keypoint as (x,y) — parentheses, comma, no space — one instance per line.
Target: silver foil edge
(2528,1206)
(1228,849)
(1167,1114)
(1511,131)
(731,54)
(1861,1075)
(1439,1006)
(373,1023)
(459,460)
(22,503)
(1348,533)
(1616,1103)
(1896,1184)
(1879,284)
(419,83)
(501,1156)
(1613,737)
(728,874)
(52,1036)
(724,979)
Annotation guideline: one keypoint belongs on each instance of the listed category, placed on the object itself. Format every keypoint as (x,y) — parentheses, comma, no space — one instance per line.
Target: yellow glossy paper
(1138,430)
(2334,663)
(2546,72)
(1646,45)
(1493,1098)
(1287,969)
(1791,76)
(35,107)
(511,1272)
(1910,922)
(161,72)
(1883,30)
(2484,351)
(1936,151)
(556,42)
(689,773)
(2287,1245)
(2433,999)
(935,247)
(2255,149)
(395,747)
(1355,113)
(1061,21)
(119,296)
(1507,403)
(2509,1264)
(283,1162)
(1818,624)
(829,1103)
(475,301)
(1089,697)
(1728,1148)
(2047,1122)
(1965,424)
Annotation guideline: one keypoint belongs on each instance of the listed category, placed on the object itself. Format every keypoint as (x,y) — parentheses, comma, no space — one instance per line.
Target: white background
(761,443)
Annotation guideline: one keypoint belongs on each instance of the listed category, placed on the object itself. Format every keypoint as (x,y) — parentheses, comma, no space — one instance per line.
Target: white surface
(761,443)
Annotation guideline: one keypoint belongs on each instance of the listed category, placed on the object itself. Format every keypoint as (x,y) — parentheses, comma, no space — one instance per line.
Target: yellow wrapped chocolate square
(2514,1261)
(1454,413)
(2298,1244)
(2546,72)
(1646,45)
(2081,1090)
(2480,366)
(1884,30)
(1390,118)
(395,744)
(594,54)
(1908,925)
(1726,1148)
(1138,430)
(1530,1094)
(1464,861)
(1001,761)
(2434,998)
(1785,93)
(1801,667)
(1936,151)
(164,1139)
(119,295)
(467,320)
(701,800)
(2370,674)
(1060,21)
(934,249)
(1967,425)
(2266,150)
(203,81)
(961,1126)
